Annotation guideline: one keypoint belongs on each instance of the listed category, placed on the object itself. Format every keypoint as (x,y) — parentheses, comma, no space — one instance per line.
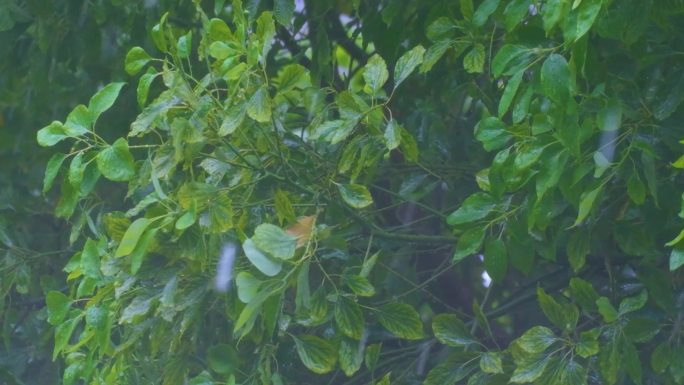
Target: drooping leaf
(349,318)
(392,135)
(350,356)
(509,93)
(495,258)
(607,310)
(52,169)
(556,78)
(131,237)
(586,204)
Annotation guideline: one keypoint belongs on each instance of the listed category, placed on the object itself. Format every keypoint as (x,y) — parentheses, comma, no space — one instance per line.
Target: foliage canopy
(312,191)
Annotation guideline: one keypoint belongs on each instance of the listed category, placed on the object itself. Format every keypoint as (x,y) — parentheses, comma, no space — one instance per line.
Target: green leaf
(449,373)
(76,170)
(136,310)
(184,45)
(492,133)
(372,356)
(583,293)
(51,134)
(401,320)
(116,162)
(141,249)
(360,285)
(375,73)
(515,12)
(490,362)
(495,258)
(433,54)
(531,370)
(274,241)
(186,220)
(259,106)
(536,340)
(475,207)
(609,362)
(232,120)
(588,345)
(661,358)
(556,79)
(247,286)
(349,318)
(676,258)
(355,195)
(261,261)
(392,135)
(407,63)
(131,237)
(283,207)
(350,356)
(508,54)
(473,61)
(63,333)
(469,243)
(57,306)
(79,121)
(586,204)
(368,265)
(450,330)
(578,23)
(553,12)
(631,304)
(607,310)
(265,31)
(143,89)
(67,200)
(283,10)
(578,248)
(509,93)
(317,354)
(636,189)
(563,315)
(136,59)
(222,359)
(293,76)
(483,12)
(632,362)
(104,99)
(51,170)
(90,260)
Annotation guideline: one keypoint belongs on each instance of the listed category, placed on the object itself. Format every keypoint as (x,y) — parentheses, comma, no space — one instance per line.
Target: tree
(356,167)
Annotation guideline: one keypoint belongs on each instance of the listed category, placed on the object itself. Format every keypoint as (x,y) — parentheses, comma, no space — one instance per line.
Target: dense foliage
(368,192)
